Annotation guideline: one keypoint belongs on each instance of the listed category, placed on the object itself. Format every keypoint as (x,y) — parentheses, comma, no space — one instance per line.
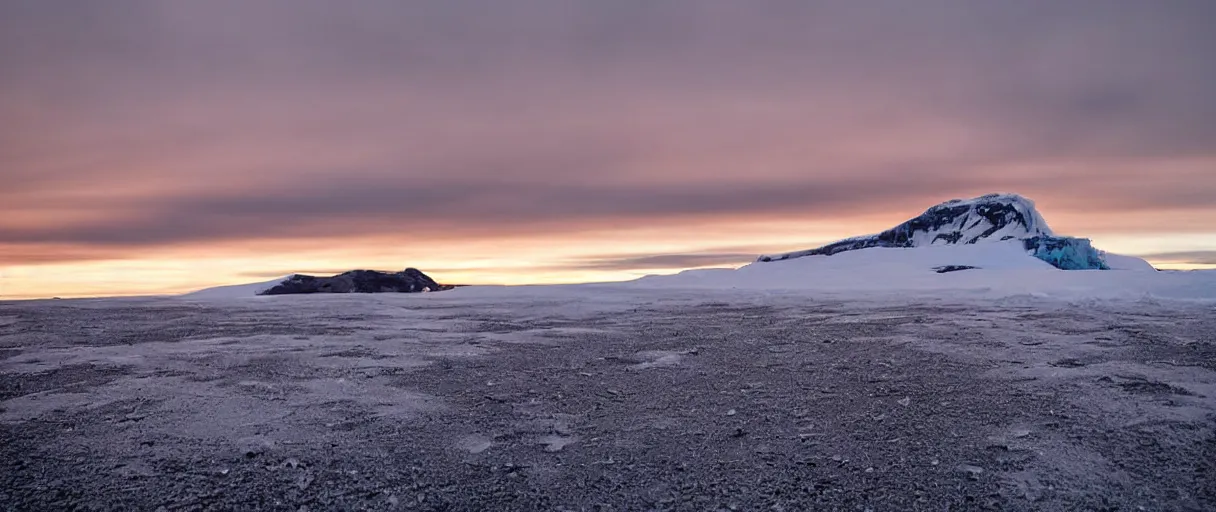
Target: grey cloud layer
(368,205)
(240,119)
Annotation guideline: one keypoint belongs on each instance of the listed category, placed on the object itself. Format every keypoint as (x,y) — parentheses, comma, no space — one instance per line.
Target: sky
(157,147)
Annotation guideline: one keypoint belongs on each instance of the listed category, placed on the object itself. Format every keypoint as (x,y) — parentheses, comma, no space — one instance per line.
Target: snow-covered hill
(993,217)
(985,219)
(997,242)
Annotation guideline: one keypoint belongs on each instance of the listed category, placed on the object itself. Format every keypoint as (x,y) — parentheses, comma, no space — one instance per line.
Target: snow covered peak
(991,217)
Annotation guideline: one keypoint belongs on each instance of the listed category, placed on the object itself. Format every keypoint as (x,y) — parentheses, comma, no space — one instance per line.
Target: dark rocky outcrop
(952,268)
(411,280)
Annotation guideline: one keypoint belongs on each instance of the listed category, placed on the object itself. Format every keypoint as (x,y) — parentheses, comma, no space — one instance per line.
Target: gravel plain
(607,400)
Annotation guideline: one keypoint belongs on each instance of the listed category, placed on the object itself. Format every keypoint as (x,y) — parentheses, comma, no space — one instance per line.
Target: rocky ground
(607,401)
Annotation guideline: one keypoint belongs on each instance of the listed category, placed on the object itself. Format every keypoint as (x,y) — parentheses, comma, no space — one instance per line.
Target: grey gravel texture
(607,400)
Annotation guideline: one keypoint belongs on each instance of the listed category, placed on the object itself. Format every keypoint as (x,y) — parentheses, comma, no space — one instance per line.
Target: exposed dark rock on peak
(411,280)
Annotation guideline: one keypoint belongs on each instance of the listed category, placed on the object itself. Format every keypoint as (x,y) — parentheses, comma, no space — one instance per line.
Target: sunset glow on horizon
(154,147)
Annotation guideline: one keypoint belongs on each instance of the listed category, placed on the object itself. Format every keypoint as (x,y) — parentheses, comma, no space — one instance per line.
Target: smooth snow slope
(236,290)
(1121,262)
(874,268)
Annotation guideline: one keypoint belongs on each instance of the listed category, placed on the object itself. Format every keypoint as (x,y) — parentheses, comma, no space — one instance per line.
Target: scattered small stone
(731,412)
(254,446)
(1020,433)
(905,401)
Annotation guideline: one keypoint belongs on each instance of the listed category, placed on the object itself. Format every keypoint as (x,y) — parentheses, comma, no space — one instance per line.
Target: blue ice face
(1066,253)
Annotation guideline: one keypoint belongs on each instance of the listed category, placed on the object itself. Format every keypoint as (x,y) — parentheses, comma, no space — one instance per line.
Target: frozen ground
(608,398)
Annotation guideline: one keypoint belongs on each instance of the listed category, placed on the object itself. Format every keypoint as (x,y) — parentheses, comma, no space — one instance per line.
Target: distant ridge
(411,280)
